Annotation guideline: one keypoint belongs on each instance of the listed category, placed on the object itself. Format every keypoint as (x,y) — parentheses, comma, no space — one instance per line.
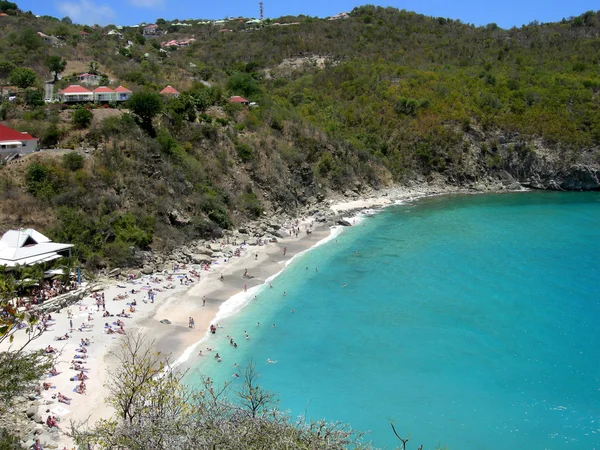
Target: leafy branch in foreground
(157,411)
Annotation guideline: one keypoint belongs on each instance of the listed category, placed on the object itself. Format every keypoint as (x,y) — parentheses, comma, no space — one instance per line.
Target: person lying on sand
(53,372)
(62,338)
(81,388)
(50,349)
(47,385)
(64,399)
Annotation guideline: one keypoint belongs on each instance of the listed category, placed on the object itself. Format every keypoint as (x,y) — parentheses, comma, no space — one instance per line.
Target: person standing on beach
(204,300)
(245,287)
(284,250)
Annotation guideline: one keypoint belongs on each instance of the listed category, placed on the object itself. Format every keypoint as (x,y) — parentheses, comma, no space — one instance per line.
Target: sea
(467,321)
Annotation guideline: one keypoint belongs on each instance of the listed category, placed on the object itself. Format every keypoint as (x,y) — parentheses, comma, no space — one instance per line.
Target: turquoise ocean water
(470,321)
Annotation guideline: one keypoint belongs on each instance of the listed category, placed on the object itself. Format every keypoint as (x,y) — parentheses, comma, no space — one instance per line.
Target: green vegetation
(56,65)
(23,77)
(145,106)
(383,97)
(82,117)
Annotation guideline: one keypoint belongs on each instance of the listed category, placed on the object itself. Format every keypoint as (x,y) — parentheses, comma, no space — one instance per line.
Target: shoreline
(223,298)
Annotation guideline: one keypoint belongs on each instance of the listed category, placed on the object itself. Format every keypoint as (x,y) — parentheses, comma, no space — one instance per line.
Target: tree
(252,397)
(56,65)
(93,68)
(82,117)
(145,106)
(23,77)
(67,20)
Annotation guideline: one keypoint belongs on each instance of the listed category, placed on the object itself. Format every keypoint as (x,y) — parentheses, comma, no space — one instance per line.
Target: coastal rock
(148,270)
(206,251)
(344,223)
(37,418)
(136,273)
(214,247)
(115,272)
(581,178)
(200,258)
(177,218)
(32,411)
(278,234)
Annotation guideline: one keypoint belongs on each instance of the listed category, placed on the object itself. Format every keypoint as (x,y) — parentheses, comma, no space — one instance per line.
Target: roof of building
(103,89)
(75,89)
(88,75)
(8,134)
(237,99)
(122,89)
(169,90)
(152,25)
(26,247)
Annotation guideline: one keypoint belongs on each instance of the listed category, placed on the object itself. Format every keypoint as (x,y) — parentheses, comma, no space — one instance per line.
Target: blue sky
(505,13)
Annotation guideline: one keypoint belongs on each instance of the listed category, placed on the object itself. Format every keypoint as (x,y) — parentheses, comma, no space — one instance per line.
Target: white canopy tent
(29,247)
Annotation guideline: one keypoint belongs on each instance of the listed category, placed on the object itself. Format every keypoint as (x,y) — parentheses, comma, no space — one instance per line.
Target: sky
(507,13)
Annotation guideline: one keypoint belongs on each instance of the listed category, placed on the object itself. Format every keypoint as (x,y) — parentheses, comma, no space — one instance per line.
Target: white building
(13,141)
(28,247)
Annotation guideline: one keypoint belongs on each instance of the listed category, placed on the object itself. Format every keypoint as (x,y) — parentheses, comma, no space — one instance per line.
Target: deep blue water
(470,321)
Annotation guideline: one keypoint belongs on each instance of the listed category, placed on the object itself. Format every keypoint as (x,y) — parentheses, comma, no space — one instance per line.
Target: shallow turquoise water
(471,321)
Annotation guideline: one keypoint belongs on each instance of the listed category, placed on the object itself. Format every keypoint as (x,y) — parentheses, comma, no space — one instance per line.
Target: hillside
(382,97)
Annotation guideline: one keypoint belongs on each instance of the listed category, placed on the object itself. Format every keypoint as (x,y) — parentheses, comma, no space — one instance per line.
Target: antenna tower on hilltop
(261,10)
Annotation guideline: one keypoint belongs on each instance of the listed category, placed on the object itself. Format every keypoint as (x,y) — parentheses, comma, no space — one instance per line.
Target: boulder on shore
(199,258)
(344,223)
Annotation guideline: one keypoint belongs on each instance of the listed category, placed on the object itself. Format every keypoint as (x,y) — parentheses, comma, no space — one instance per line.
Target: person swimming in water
(270,361)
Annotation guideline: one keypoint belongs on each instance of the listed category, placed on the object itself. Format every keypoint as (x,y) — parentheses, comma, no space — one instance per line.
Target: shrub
(244,151)
(82,117)
(72,161)
(33,98)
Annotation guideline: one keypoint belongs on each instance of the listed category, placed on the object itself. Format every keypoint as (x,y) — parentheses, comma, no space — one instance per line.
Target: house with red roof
(238,99)
(75,93)
(104,94)
(122,94)
(151,30)
(170,91)
(13,141)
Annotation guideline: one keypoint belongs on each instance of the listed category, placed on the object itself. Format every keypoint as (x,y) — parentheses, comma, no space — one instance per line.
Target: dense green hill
(384,96)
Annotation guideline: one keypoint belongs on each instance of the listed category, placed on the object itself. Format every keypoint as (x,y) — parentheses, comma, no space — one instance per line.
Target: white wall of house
(8,147)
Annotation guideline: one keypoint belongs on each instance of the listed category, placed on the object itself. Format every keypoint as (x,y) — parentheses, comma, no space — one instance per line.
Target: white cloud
(86,12)
(147,3)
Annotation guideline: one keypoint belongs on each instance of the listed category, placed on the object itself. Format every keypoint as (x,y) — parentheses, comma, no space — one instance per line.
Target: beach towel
(60,411)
